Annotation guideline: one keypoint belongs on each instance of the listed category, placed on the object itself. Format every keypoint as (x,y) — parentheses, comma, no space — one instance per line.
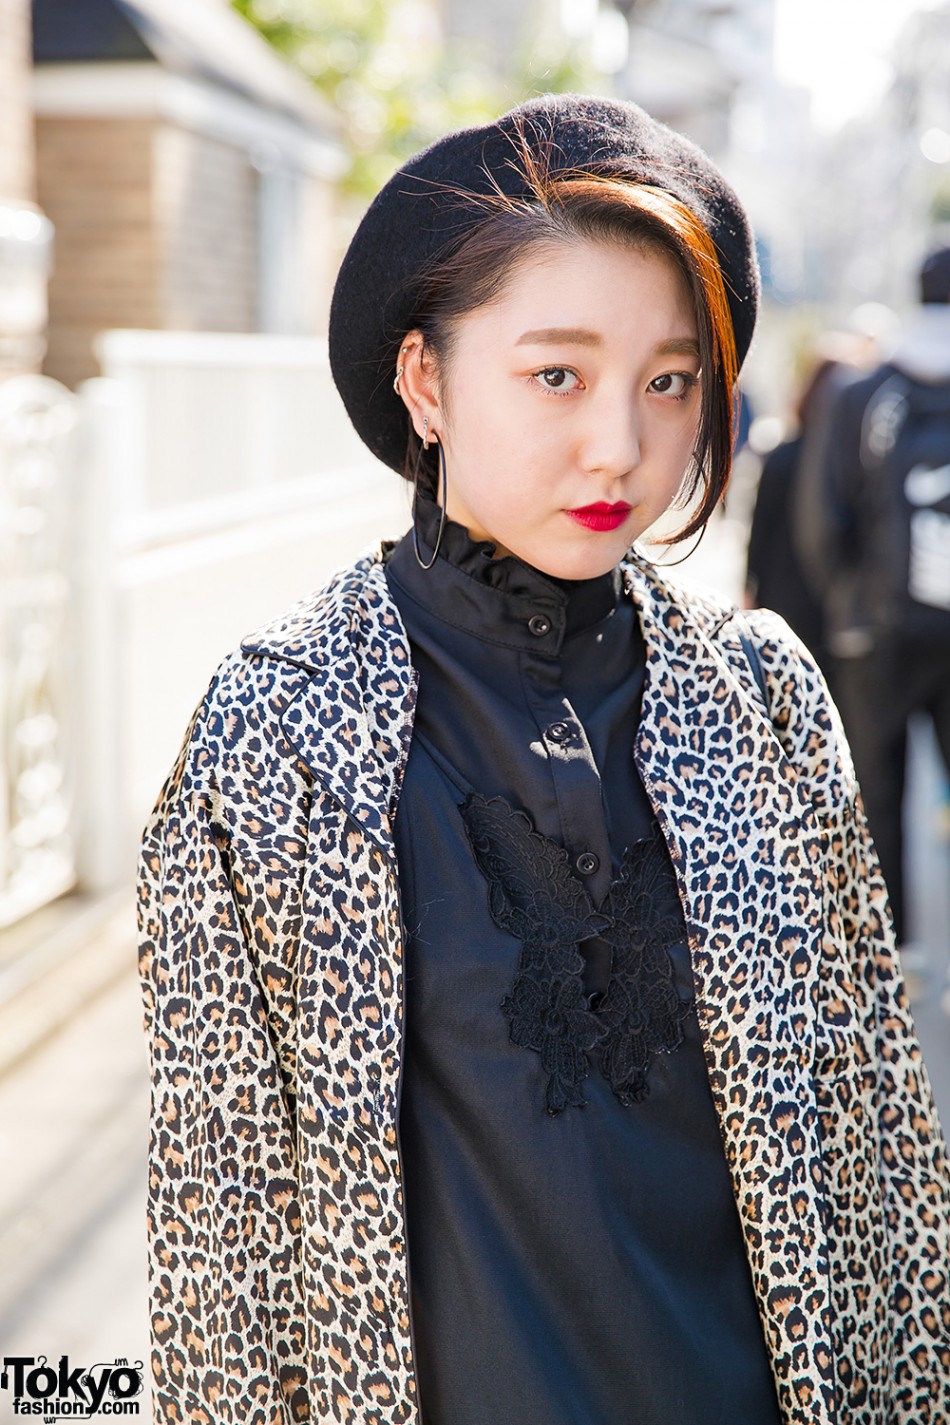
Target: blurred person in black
(774,575)
(872,525)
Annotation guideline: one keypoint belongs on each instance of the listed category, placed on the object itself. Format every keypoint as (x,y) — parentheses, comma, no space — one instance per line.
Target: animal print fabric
(271,960)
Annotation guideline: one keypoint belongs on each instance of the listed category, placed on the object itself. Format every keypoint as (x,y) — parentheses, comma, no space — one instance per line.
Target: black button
(539,624)
(560,731)
(587,863)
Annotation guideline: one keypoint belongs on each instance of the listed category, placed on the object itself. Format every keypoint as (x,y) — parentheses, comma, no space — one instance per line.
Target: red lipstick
(600,516)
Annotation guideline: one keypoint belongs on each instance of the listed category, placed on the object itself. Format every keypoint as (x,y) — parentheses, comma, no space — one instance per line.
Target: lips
(600,516)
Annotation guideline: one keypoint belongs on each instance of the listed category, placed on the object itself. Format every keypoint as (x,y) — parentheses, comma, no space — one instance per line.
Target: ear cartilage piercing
(399,370)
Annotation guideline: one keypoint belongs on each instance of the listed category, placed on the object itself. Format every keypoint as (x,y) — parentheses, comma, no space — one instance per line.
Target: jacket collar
(308,633)
(351,720)
(356,607)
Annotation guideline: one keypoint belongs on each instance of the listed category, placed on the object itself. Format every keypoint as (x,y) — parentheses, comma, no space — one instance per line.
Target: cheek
(683,443)
(678,451)
(480,428)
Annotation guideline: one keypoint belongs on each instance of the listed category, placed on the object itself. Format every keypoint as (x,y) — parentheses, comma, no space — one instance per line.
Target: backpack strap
(750,649)
(754,659)
(882,421)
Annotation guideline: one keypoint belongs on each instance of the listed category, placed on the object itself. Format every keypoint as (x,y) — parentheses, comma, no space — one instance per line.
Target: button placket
(574,776)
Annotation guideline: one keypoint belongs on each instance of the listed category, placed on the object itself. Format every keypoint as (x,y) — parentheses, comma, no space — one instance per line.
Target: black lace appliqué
(535,896)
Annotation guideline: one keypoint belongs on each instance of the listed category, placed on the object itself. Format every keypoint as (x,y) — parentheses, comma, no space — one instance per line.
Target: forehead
(600,284)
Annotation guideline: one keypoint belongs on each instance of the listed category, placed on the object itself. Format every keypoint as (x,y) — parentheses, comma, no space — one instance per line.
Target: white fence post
(102,859)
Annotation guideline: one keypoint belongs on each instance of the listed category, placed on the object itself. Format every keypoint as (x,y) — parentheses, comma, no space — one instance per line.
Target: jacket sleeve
(223,1216)
(885,1153)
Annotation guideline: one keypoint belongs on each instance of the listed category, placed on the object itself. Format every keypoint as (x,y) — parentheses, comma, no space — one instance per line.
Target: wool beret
(417,215)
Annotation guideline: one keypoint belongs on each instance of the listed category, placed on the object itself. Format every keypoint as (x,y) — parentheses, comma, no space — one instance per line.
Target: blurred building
(188,170)
(900,159)
(863,201)
(692,61)
(506,37)
(495,27)
(689,62)
(25,234)
(189,173)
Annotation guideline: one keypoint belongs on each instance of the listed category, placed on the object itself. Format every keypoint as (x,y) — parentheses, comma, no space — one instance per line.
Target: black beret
(416,215)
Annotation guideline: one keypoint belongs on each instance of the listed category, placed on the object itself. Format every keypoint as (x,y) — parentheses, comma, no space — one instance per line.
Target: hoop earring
(674,562)
(415,496)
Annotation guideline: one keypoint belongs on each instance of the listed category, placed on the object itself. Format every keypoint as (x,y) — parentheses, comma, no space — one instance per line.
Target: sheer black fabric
(535,896)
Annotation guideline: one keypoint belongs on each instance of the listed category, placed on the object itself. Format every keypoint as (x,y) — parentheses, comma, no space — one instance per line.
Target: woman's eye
(557,378)
(673,383)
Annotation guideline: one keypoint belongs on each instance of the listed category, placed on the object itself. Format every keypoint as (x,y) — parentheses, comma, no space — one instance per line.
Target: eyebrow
(548,335)
(679,346)
(578,336)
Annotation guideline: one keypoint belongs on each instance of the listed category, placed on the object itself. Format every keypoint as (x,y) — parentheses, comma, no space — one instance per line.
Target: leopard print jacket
(271,958)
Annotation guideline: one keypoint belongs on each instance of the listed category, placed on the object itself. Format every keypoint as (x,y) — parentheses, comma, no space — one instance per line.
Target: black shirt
(574,1246)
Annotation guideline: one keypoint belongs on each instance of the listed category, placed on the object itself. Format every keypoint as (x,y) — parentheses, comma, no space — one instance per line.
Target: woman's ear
(418,385)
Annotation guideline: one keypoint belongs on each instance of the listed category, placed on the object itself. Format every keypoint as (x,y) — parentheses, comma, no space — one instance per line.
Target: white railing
(222,481)
(37,643)
(226,415)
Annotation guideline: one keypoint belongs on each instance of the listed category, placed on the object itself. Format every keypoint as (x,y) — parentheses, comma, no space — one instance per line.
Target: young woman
(527,1036)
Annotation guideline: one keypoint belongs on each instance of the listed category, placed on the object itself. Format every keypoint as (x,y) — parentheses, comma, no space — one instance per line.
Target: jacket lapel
(748,856)
(351,720)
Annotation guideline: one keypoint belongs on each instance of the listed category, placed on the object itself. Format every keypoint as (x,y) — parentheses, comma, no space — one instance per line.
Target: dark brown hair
(564,207)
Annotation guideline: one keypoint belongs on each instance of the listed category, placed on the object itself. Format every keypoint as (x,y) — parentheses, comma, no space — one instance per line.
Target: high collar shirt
(574,1246)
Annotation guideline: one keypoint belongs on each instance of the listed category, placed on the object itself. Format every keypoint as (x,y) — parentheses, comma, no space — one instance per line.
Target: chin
(577,563)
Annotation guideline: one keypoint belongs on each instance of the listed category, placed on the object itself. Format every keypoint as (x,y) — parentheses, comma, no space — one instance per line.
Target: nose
(613,435)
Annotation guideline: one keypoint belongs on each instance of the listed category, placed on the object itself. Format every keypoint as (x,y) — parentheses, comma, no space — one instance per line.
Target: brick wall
(16,120)
(159,227)
(94,178)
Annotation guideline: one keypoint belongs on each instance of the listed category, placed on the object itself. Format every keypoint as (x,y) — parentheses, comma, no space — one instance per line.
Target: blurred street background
(178,181)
